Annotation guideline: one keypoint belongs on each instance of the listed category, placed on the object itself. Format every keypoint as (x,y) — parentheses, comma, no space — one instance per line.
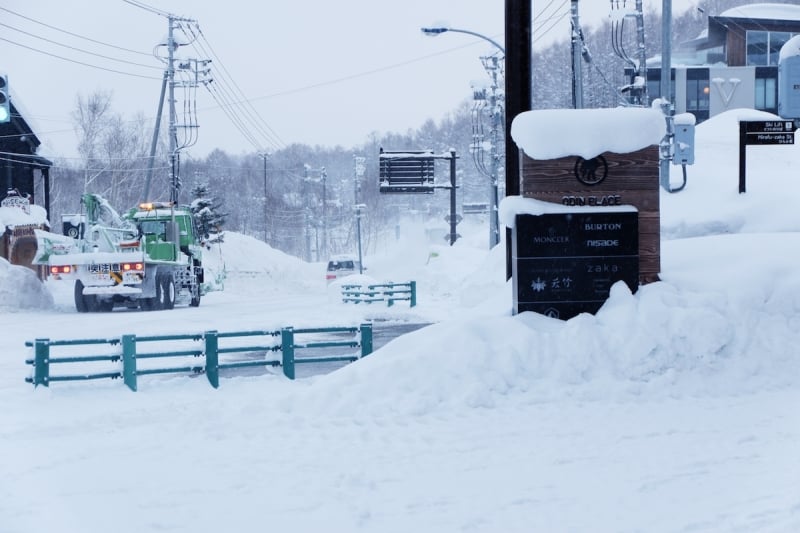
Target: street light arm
(433,32)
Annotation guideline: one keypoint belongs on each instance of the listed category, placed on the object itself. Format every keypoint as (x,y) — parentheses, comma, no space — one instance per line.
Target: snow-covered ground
(673,409)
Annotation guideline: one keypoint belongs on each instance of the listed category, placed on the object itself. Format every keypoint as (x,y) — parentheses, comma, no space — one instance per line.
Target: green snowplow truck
(150,258)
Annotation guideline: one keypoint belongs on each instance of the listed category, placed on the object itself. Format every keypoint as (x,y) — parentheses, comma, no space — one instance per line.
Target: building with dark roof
(732,64)
(21,169)
(24,191)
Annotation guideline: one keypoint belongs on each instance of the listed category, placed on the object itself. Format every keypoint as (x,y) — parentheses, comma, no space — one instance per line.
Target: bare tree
(90,122)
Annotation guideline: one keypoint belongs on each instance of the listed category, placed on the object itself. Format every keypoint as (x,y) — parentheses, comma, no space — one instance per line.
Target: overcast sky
(314,72)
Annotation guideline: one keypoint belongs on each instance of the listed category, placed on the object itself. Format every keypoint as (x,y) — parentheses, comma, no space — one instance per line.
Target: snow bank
(711,203)
(688,335)
(20,289)
(241,256)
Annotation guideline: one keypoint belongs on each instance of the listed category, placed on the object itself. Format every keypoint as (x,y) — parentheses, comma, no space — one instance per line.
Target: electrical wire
(234,95)
(78,49)
(71,33)
(79,62)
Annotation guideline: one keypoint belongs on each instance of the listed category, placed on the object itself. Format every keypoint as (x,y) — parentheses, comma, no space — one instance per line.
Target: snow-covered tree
(207,213)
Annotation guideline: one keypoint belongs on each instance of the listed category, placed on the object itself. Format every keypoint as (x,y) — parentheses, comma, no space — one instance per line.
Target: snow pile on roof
(554,133)
(764,11)
(14,216)
(20,289)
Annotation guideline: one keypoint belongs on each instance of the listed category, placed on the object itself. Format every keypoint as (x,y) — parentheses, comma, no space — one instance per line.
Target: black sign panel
(565,264)
(769,126)
(770,138)
(406,173)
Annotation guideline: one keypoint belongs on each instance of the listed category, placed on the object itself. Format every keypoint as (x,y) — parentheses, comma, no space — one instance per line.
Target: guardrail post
(41,362)
(413,285)
(129,361)
(212,358)
(287,348)
(366,339)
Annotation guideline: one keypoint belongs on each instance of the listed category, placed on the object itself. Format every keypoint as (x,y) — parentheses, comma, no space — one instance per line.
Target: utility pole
(491,65)
(642,52)
(306,217)
(359,167)
(577,46)
(174,179)
(666,90)
(265,156)
(169,80)
(496,112)
(323,177)
(154,143)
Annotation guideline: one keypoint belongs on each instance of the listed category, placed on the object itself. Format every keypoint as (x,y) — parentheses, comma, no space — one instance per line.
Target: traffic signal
(5,103)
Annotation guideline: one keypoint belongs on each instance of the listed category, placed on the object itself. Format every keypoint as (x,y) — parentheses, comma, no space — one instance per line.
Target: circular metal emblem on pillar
(591,171)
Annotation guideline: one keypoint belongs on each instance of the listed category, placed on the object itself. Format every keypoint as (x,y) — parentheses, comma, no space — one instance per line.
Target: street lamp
(491,68)
(433,32)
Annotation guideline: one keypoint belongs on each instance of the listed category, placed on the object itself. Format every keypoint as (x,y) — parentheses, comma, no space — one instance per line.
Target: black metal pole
(453,220)
(742,156)
(519,54)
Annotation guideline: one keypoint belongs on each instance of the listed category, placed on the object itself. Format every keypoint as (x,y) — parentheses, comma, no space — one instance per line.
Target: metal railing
(128,361)
(381,292)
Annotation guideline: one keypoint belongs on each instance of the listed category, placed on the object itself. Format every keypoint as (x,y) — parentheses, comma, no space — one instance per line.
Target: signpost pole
(742,155)
(453,220)
(761,132)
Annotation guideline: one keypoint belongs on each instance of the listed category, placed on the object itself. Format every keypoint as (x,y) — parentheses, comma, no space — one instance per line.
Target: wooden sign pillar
(610,179)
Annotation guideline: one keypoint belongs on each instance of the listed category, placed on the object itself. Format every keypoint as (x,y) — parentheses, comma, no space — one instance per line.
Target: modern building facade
(733,64)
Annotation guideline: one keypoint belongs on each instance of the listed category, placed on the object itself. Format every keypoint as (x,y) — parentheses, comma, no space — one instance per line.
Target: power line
(79,62)
(255,112)
(233,97)
(78,49)
(73,34)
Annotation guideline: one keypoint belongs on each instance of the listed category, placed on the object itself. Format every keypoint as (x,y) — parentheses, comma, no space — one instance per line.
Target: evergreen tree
(207,213)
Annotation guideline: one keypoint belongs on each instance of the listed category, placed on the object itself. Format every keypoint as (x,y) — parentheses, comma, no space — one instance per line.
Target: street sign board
(769,126)
(564,264)
(761,132)
(769,138)
(406,172)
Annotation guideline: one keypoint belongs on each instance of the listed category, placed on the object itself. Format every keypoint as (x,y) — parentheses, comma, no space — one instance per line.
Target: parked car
(340,266)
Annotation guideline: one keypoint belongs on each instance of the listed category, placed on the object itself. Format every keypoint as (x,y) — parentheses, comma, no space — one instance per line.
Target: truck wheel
(167,291)
(159,299)
(195,301)
(80,300)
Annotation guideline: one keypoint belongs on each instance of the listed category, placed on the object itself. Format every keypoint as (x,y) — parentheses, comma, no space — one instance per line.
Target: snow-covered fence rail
(381,292)
(128,361)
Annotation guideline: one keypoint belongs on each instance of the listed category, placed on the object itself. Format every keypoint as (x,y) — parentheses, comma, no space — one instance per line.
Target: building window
(766,89)
(776,41)
(697,92)
(764,47)
(654,84)
(757,46)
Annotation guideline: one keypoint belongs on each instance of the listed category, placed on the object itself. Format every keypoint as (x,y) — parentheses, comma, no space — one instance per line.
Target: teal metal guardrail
(381,292)
(206,345)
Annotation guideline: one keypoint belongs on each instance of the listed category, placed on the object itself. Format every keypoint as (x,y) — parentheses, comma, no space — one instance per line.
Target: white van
(340,266)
